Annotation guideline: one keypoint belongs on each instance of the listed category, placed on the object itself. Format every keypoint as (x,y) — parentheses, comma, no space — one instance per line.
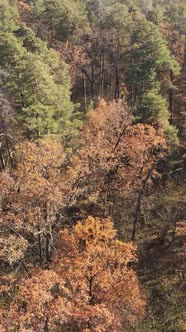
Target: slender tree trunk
(92,80)
(9,151)
(139,200)
(85,93)
(90,291)
(171,94)
(25,267)
(132,96)
(40,252)
(101,75)
(47,248)
(117,81)
(47,235)
(117,70)
(110,86)
(2,160)
(46,329)
(90,300)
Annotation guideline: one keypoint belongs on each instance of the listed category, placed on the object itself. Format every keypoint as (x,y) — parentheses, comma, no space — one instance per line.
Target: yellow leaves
(12,248)
(23,6)
(95,229)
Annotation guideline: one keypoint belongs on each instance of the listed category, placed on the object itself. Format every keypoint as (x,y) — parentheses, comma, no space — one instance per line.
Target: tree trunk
(90,301)
(47,235)
(85,93)
(101,75)
(139,200)
(117,81)
(2,160)
(40,252)
(46,329)
(9,151)
(25,267)
(92,81)
(47,248)
(171,94)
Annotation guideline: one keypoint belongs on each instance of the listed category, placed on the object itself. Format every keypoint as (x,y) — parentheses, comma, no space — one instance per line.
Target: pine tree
(8,15)
(148,74)
(39,82)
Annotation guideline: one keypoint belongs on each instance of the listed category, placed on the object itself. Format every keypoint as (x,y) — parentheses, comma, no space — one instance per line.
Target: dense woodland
(92,165)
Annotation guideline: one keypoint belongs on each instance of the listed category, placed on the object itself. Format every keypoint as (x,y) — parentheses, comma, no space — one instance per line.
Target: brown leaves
(89,286)
(114,154)
(31,197)
(95,265)
(37,302)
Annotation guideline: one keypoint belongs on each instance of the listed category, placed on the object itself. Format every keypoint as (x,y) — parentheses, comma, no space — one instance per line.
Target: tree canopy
(92,165)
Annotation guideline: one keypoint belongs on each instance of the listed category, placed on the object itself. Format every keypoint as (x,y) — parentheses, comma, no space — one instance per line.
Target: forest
(92,165)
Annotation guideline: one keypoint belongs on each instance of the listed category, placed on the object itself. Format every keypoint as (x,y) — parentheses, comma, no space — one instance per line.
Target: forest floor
(162,272)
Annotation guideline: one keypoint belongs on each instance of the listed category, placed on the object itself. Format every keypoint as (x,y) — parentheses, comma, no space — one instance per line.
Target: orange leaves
(95,264)
(40,164)
(37,302)
(32,195)
(114,154)
(23,6)
(89,285)
(95,229)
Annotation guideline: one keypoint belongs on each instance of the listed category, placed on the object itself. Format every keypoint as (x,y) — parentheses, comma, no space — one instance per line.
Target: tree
(8,131)
(30,202)
(154,108)
(114,161)
(149,68)
(89,287)
(56,21)
(104,45)
(39,82)
(8,15)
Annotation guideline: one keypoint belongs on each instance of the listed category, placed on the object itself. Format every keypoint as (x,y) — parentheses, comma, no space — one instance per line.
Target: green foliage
(38,8)
(39,82)
(153,107)
(116,50)
(60,16)
(156,15)
(8,15)
(149,55)
(117,16)
(171,133)
(150,61)
(176,13)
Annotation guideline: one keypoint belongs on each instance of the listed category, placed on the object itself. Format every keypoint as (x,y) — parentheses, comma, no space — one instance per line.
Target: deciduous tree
(89,287)
(116,158)
(31,199)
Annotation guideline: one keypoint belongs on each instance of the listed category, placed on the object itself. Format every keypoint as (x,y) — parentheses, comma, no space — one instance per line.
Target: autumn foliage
(115,150)
(116,158)
(89,287)
(31,196)
(92,165)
